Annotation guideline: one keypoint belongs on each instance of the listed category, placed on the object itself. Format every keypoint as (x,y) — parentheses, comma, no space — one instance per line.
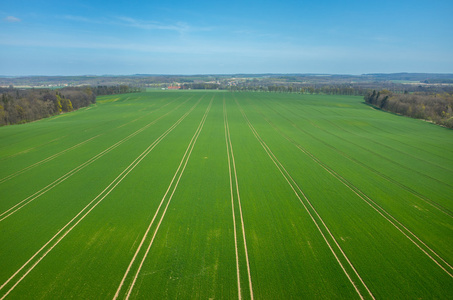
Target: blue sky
(225,37)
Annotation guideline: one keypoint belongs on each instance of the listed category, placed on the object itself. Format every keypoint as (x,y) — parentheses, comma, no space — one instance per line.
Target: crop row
(171,194)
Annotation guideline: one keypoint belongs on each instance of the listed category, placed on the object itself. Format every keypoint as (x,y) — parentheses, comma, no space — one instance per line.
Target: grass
(334,200)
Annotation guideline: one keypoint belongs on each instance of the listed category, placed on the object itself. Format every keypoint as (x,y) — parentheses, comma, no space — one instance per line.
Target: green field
(222,195)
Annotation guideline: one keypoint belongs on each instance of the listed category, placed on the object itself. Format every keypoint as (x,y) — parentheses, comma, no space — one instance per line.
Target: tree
(58,103)
(384,102)
(66,105)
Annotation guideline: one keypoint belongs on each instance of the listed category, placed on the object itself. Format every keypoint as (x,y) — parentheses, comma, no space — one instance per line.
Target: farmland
(196,194)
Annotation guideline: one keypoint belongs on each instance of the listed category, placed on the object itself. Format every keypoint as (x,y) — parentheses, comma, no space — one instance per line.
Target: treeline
(303,89)
(200,86)
(115,89)
(437,108)
(27,105)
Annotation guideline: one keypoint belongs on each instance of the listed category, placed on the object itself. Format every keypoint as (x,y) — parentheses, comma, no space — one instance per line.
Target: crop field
(226,195)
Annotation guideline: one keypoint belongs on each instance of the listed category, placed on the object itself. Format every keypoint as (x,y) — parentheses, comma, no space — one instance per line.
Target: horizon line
(223,74)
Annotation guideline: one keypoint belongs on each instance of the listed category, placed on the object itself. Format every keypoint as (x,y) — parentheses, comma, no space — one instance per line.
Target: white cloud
(12,19)
(78,19)
(193,46)
(180,27)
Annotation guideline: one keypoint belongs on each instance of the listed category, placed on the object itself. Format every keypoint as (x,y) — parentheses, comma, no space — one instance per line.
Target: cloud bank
(11,19)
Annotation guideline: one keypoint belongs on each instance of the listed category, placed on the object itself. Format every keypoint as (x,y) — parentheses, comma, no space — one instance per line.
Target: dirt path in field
(29,149)
(386,215)
(178,174)
(306,203)
(61,179)
(444,265)
(147,114)
(381,175)
(6,178)
(28,266)
(229,148)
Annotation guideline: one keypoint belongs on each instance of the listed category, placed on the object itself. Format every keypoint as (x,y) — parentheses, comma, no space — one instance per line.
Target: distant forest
(420,95)
(26,105)
(225,80)
(437,108)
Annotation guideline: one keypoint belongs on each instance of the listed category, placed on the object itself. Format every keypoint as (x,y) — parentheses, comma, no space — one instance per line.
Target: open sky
(224,37)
